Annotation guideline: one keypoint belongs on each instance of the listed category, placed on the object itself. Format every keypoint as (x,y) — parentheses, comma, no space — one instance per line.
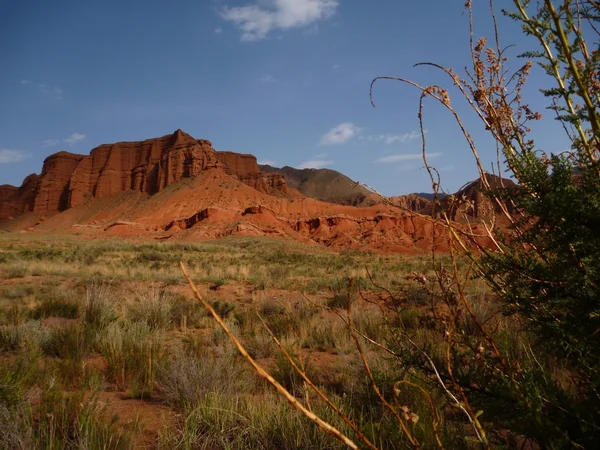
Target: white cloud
(255,21)
(74,139)
(50,143)
(54,91)
(25,81)
(404,137)
(268,79)
(391,138)
(267,162)
(12,156)
(340,134)
(405,157)
(315,164)
(218,30)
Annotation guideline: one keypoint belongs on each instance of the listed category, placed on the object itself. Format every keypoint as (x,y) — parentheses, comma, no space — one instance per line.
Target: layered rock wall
(52,193)
(149,166)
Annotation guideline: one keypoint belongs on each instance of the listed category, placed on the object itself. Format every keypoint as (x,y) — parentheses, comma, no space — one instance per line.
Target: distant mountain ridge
(326,185)
(429,195)
(334,187)
(469,202)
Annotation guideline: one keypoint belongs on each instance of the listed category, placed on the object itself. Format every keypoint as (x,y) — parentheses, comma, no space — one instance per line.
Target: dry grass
(134,328)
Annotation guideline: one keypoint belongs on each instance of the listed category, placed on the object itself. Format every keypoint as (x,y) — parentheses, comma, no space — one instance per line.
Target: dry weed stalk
(318,391)
(401,421)
(496,97)
(323,425)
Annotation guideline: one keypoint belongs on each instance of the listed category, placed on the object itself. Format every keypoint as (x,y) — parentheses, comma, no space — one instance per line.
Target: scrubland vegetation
(84,320)
(80,320)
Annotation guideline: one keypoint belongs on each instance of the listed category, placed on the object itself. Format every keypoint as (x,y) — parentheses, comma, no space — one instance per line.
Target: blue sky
(285,80)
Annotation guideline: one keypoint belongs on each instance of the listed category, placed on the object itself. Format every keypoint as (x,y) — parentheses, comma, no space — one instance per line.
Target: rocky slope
(215,205)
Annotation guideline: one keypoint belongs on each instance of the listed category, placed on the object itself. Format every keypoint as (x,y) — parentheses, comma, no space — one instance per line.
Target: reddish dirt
(58,322)
(148,416)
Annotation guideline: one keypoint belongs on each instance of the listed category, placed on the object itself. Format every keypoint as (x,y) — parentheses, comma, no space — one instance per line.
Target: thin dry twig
(323,425)
(318,391)
(413,442)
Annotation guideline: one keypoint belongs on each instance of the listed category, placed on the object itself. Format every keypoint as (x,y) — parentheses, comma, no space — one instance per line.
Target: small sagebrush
(152,307)
(99,307)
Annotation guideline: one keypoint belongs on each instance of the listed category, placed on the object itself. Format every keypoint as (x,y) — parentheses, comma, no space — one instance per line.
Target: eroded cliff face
(52,192)
(411,202)
(245,168)
(148,166)
(15,201)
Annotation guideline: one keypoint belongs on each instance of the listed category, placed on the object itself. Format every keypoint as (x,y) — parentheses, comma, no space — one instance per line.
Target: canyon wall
(148,166)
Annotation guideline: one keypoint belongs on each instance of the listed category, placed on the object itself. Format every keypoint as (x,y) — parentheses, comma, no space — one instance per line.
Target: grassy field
(103,346)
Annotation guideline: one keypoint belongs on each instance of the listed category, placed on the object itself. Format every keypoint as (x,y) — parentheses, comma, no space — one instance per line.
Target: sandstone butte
(178,187)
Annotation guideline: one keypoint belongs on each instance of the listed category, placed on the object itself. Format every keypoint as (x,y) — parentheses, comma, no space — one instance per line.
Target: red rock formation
(245,168)
(216,214)
(228,195)
(8,207)
(411,202)
(148,166)
(15,201)
(52,192)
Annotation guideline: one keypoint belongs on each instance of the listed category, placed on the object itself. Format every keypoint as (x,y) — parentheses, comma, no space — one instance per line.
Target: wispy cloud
(53,91)
(46,88)
(267,162)
(74,139)
(50,143)
(315,164)
(405,157)
(391,138)
(218,30)
(268,79)
(402,138)
(257,20)
(12,156)
(340,134)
